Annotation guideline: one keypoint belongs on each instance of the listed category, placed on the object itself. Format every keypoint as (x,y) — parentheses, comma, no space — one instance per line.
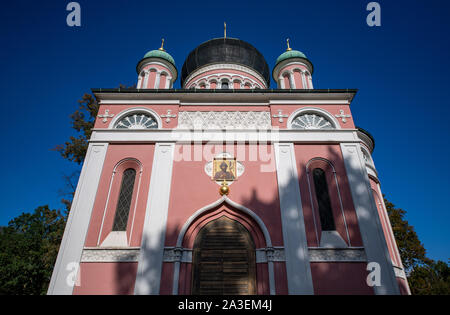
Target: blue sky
(401,70)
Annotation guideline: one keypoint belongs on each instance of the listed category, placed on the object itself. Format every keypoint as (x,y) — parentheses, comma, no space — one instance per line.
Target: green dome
(290,54)
(160,54)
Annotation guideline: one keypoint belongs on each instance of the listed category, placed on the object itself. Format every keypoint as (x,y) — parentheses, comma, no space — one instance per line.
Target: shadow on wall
(330,274)
(126,272)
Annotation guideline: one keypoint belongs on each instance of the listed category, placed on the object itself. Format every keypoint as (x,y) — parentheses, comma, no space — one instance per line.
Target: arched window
(323,200)
(311,121)
(124,202)
(224,260)
(137,121)
(225,85)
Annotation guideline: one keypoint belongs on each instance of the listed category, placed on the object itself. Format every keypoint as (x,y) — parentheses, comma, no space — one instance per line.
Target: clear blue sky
(401,70)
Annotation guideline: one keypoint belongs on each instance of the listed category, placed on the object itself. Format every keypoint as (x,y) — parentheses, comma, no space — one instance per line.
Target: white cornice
(214,96)
(139,102)
(307,102)
(232,135)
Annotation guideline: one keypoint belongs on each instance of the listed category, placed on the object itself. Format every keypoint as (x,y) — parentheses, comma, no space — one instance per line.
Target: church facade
(227,186)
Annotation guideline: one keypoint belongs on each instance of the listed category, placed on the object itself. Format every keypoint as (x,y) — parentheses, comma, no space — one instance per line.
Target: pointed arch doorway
(224,261)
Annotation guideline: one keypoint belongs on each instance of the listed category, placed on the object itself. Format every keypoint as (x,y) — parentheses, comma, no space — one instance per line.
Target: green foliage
(411,249)
(425,276)
(430,279)
(28,249)
(82,121)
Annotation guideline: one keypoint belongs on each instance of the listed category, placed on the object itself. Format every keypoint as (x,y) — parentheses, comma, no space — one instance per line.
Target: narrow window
(323,200)
(124,202)
(225,85)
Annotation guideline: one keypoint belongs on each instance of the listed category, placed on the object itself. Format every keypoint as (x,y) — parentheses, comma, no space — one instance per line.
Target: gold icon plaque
(224,169)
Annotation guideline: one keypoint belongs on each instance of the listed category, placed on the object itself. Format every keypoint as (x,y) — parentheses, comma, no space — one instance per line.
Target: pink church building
(227,186)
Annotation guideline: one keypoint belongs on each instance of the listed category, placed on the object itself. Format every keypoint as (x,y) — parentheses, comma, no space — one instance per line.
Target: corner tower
(156,70)
(293,70)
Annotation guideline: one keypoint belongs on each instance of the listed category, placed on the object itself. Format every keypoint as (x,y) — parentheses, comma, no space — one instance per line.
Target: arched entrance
(224,261)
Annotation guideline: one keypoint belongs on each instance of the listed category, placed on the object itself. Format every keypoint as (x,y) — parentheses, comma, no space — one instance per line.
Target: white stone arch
(233,204)
(290,75)
(313,110)
(198,213)
(119,238)
(334,238)
(133,110)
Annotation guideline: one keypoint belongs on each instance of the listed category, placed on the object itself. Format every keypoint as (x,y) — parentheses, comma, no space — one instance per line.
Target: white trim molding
(148,278)
(368,219)
(318,254)
(72,244)
(104,255)
(294,235)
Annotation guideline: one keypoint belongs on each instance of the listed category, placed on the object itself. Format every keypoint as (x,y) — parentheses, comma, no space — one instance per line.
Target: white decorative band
(263,255)
(224,120)
(224,66)
(399,272)
(268,254)
(337,255)
(177,254)
(110,255)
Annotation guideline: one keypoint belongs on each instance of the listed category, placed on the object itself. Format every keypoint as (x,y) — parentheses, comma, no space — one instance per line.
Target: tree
(82,121)
(425,276)
(29,247)
(411,249)
(430,279)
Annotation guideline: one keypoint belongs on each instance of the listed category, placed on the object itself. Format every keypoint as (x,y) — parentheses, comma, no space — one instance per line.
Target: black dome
(222,50)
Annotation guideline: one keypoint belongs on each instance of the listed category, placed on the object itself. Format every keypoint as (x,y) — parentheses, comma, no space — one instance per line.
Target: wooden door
(224,260)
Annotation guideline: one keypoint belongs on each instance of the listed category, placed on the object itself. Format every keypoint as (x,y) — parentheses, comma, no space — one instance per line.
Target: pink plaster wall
(332,153)
(332,109)
(106,279)
(117,109)
(255,190)
(340,279)
(102,219)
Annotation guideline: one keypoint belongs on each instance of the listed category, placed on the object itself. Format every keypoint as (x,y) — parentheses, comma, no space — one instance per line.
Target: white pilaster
(147,74)
(369,222)
(292,81)
(72,244)
(153,236)
(294,235)
(157,80)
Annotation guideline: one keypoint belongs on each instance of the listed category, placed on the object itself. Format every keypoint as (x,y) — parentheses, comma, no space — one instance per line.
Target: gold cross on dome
(288,47)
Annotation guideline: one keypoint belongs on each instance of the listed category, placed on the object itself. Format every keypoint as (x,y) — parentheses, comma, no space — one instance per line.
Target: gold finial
(162,45)
(289,48)
(224,30)
(224,189)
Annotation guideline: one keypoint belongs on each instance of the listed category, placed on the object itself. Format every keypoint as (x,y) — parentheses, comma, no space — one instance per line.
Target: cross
(168,116)
(343,116)
(280,116)
(105,116)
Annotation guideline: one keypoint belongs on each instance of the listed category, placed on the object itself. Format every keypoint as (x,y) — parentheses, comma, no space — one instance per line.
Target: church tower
(226,186)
